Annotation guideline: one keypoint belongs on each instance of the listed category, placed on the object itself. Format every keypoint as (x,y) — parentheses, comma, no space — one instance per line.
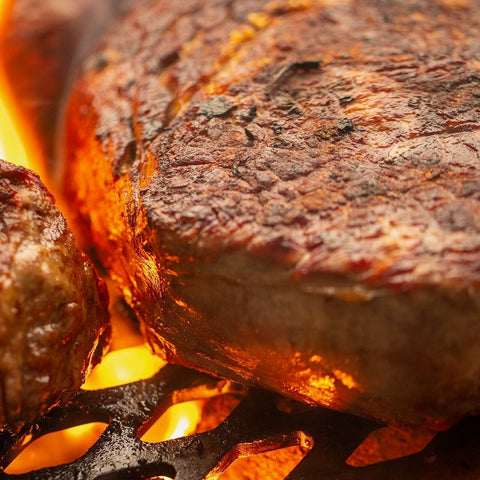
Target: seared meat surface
(289,193)
(53,307)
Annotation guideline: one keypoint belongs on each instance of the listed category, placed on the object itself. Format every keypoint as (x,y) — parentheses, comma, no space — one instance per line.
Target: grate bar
(256,425)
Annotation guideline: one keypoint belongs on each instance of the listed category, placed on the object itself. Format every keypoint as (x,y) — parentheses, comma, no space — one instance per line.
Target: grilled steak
(53,308)
(289,193)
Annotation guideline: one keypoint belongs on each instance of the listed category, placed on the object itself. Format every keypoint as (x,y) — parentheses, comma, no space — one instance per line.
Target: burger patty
(53,307)
(288,193)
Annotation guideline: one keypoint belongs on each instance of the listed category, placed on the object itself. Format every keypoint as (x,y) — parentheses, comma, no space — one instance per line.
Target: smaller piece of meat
(53,306)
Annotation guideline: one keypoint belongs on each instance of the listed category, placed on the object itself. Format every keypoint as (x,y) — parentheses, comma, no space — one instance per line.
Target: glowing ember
(389,443)
(274,465)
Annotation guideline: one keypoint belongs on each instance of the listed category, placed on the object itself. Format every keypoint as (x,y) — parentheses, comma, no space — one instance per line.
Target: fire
(14,131)
(178,421)
(118,367)
(56,448)
(131,360)
(11,146)
(389,443)
(124,366)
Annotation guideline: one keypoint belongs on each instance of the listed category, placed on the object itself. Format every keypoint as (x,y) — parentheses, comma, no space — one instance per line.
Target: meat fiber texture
(53,307)
(288,193)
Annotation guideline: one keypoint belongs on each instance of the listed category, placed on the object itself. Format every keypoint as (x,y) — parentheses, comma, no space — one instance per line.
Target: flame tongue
(11,147)
(15,133)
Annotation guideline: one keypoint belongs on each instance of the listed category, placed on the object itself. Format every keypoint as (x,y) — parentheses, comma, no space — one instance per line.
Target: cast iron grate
(256,425)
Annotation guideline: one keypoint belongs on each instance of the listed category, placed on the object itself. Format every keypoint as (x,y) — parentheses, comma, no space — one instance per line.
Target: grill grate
(256,425)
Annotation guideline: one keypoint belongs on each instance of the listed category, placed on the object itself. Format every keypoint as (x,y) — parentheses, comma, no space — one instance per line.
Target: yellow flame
(14,133)
(124,366)
(389,443)
(20,146)
(347,380)
(11,147)
(178,421)
(5,7)
(56,448)
(272,465)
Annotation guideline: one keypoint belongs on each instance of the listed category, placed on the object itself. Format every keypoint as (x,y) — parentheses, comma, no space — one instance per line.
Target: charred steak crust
(53,307)
(288,193)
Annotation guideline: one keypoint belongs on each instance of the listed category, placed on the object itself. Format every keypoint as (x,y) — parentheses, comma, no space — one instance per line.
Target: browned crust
(53,307)
(330,148)
(383,175)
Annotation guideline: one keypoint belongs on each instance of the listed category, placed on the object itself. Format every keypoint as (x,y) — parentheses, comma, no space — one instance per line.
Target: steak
(288,193)
(53,307)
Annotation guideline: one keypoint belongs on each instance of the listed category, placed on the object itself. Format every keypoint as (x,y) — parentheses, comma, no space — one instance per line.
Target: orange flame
(14,131)
(118,367)
(19,145)
(178,421)
(56,448)
(124,366)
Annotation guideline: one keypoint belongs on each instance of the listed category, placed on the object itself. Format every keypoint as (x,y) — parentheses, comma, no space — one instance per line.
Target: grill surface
(256,425)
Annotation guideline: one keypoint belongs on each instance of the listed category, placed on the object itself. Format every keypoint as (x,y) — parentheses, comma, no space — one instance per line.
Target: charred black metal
(258,420)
